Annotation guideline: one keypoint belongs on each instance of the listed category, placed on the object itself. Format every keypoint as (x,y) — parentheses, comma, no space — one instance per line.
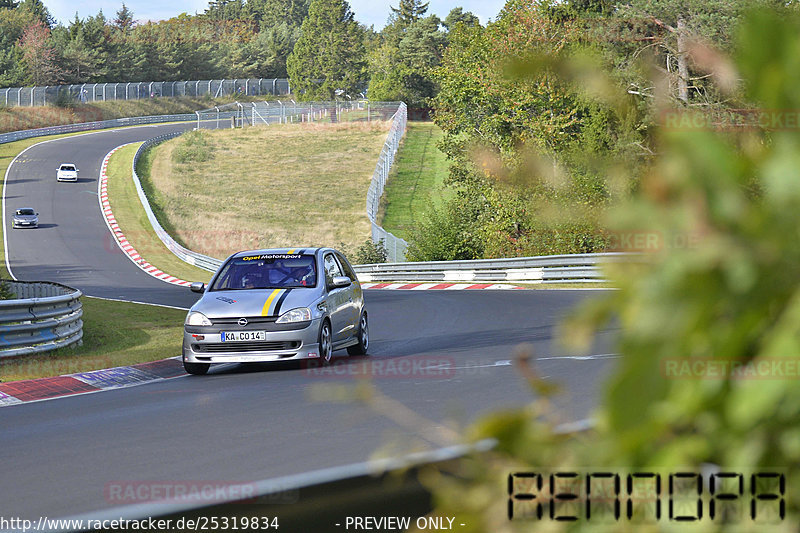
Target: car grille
(250,320)
(219,347)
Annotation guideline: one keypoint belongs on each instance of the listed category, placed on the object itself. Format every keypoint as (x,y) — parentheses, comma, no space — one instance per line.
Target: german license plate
(243,336)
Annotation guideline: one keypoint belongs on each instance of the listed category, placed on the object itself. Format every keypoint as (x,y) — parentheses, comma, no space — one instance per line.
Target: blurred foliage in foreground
(733,297)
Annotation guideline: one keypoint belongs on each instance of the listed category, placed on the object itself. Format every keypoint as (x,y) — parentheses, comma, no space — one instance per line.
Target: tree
(270,13)
(270,49)
(329,56)
(124,19)
(8,4)
(458,15)
(408,12)
(39,55)
(39,10)
(225,9)
(403,71)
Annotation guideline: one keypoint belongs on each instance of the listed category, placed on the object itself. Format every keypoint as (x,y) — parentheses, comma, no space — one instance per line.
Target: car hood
(254,302)
(25,218)
(68,173)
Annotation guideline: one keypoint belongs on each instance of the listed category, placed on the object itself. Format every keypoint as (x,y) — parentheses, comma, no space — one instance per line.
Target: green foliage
(5,291)
(408,12)
(330,55)
(448,233)
(731,299)
(270,13)
(370,252)
(457,15)
(192,148)
(401,68)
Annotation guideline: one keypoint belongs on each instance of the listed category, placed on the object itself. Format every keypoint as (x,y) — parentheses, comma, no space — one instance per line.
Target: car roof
(267,251)
(65,164)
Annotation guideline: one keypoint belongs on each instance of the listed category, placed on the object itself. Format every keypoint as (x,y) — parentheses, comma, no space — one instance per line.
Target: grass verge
(140,333)
(25,118)
(416,180)
(293,185)
(133,221)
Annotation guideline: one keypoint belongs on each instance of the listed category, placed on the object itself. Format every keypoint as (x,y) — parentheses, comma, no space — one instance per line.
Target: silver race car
(276,305)
(25,217)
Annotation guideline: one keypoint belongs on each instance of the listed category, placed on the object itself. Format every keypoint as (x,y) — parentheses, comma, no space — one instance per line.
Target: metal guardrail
(45,316)
(100,92)
(573,268)
(96,125)
(193,258)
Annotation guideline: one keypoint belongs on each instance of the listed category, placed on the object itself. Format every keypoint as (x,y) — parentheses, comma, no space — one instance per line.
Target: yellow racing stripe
(268,303)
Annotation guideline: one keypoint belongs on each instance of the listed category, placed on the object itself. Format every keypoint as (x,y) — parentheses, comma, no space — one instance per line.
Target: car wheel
(325,343)
(197,369)
(363,337)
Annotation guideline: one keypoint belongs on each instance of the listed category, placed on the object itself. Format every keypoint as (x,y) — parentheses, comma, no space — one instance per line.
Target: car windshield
(25,211)
(67,167)
(267,271)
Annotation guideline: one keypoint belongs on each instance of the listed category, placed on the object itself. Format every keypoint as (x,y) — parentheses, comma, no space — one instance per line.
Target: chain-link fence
(394,245)
(239,114)
(100,92)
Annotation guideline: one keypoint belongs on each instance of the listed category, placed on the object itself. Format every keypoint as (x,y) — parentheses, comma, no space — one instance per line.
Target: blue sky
(367,11)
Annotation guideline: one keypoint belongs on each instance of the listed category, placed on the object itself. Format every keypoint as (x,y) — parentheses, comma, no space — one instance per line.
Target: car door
(338,299)
(356,296)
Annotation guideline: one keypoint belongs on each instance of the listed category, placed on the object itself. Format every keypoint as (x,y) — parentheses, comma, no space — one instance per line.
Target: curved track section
(73,244)
(445,355)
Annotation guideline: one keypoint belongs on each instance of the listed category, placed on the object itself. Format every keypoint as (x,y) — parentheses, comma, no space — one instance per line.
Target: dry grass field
(222,191)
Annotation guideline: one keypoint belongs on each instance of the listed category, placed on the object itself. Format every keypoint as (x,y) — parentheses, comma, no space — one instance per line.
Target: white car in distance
(67,172)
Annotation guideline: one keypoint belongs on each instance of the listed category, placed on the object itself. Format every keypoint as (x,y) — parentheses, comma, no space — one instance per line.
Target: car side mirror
(341,281)
(197,286)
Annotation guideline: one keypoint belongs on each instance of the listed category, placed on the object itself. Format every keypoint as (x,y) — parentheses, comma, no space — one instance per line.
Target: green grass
(133,222)
(415,182)
(276,186)
(114,334)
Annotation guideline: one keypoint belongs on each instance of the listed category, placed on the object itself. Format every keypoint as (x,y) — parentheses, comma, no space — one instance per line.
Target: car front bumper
(203,345)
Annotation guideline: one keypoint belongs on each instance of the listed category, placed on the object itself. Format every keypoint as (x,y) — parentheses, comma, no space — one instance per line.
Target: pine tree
(41,12)
(408,12)
(124,19)
(9,4)
(330,55)
(39,55)
(272,13)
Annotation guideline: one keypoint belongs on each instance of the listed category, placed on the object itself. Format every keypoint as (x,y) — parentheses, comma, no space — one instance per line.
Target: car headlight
(197,319)
(299,314)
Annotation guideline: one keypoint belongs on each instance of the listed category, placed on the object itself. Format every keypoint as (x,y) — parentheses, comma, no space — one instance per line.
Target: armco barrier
(575,268)
(45,316)
(96,125)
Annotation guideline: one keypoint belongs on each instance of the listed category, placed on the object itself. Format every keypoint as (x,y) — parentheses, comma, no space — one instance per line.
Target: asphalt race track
(443,354)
